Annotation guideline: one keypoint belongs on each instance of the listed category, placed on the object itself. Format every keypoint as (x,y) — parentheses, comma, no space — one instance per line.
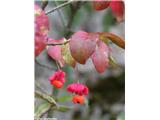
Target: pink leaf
(41,25)
(41,22)
(55,52)
(100,57)
(39,44)
(82,45)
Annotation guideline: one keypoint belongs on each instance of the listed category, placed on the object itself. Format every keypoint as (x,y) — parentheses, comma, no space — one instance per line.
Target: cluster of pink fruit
(79,90)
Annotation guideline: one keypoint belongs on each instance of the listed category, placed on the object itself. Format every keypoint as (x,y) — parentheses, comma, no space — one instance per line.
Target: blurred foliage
(121,116)
(108,21)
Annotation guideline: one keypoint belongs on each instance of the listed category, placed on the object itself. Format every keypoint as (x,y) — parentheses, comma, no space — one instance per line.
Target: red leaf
(100,4)
(41,25)
(118,10)
(100,57)
(55,52)
(82,45)
(41,22)
(39,44)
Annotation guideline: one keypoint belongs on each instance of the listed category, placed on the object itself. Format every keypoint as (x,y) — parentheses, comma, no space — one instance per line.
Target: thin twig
(58,66)
(60,6)
(54,44)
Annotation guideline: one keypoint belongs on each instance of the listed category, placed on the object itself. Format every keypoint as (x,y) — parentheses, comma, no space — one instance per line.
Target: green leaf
(64,98)
(41,109)
(66,54)
(62,108)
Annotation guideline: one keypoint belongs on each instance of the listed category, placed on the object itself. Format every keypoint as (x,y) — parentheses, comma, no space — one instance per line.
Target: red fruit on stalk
(100,4)
(78,99)
(57,79)
(78,88)
(57,84)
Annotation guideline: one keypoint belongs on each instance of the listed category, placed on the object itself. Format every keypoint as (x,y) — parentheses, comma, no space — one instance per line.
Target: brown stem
(54,44)
(114,38)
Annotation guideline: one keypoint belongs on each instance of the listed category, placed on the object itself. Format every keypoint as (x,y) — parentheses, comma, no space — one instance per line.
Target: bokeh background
(106,97)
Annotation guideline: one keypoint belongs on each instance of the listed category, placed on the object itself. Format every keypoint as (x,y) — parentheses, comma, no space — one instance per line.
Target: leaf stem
(58,66)
(63,43)
(114,38)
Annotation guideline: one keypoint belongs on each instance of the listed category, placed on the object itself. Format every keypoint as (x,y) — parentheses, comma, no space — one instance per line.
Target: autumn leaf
(55,51)
(39,44)
(82,46)
(66,55)
(100,57)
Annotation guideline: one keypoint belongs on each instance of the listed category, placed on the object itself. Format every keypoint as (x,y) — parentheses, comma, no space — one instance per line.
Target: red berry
(78,99)
(57,84)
